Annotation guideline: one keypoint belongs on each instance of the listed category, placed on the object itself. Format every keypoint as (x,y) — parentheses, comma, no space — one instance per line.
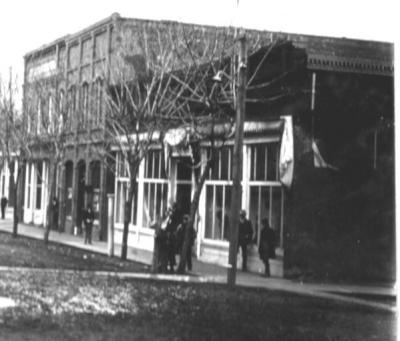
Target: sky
(26,25)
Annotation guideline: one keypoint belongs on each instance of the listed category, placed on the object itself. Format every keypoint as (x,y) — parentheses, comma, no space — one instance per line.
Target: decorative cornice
(353,65)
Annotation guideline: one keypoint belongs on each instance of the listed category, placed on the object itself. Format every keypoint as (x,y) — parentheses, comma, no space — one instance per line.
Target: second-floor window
(51,113)
(97,102)
(39,116)
(84,103)
(61,109)
(71,106)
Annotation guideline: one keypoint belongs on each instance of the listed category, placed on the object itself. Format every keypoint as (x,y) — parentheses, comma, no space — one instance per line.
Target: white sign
(43,70)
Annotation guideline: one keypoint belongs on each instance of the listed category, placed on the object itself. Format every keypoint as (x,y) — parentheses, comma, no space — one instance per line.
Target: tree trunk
(127,218)
(51,194)
(193,209)
(15,200)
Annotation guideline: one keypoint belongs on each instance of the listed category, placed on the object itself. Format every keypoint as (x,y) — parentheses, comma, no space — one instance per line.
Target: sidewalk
(205,272)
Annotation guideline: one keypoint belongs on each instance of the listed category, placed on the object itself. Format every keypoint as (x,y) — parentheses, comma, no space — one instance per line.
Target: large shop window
(28,200)
(97,102)
(122,193)
(265,190)
(266,202)
(39,182)
(263,162)
(122,196)
(84,104)
(218,190)
(155,187)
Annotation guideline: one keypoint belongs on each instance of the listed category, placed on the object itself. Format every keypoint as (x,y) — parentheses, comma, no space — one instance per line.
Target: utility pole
(237,161)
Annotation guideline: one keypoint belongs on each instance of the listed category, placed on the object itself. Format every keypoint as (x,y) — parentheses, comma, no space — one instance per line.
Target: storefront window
(122,193)
(263,161)
(265,191)
(218,196)
(29,185)
(155,187)
(39,178)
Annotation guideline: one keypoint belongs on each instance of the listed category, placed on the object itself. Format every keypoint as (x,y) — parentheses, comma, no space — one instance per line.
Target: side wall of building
(341,207)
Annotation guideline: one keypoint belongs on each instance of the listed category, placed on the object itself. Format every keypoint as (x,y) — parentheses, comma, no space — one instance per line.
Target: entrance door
(81,193)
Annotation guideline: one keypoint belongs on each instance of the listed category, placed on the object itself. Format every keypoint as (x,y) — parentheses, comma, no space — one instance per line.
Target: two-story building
(341,101)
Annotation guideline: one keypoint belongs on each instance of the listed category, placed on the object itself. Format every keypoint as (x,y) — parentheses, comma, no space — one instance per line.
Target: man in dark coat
(266,249)
(88,218)
(160,255)
(170,224)
(4,202)
(54,208)
(180,237)
(245,236)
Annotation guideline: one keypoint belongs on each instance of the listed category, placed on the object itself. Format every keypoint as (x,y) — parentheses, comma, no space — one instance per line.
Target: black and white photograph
(198,170)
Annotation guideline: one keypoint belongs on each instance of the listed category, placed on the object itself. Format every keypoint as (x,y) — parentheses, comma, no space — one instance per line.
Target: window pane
(225,166)
(146,221)
(39,186)
(228,193)
(260,161)
(152,202)
(39,174)
(164,199)
(272,173)
(158,199)
(209,212)
(255,213)
(156,171)
(122,196)
(134,209)
(260,208)
(38,198)
(215,166)
(219,212)
(149,165)
(276,212)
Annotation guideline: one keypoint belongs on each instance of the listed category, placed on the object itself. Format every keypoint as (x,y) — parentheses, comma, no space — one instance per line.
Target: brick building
(339,78)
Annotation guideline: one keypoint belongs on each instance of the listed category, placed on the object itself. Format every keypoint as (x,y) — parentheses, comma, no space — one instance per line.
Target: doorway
(80,205)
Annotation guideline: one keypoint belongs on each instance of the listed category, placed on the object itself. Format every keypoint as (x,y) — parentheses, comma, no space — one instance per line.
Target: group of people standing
(170,237)
(169,240)
(266,247)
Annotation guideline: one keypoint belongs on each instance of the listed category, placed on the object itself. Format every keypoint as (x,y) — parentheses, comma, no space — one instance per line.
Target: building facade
(86,60)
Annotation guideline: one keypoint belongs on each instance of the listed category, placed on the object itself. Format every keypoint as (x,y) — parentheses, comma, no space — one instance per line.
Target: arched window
(48,113)
(61,109)
(85,103)
(39,116)
(98,101)
(71,109)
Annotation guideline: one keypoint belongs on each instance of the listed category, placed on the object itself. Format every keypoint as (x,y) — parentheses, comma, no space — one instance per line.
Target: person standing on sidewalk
(245,236)
(4,202)
(169,224)
(54,208)
(88,218)
(180,236)
(266,249)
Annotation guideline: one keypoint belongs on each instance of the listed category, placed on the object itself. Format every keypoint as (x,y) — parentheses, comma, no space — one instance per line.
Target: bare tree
(14,148)
(210,102)
(49,122)
(184,77)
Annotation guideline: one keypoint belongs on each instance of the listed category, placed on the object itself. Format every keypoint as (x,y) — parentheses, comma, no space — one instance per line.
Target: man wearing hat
(245,236)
